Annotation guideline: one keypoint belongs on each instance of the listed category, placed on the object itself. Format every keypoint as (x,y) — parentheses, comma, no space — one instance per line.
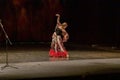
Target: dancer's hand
(58,15)
(64,40)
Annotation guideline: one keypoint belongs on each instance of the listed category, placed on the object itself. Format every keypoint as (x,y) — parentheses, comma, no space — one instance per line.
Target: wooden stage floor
(84,63)
(36,53)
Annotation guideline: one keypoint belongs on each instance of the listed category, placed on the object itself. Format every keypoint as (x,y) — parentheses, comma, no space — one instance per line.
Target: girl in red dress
(58,38)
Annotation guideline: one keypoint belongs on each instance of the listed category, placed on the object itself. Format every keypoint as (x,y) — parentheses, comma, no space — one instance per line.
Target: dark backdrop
(90,21)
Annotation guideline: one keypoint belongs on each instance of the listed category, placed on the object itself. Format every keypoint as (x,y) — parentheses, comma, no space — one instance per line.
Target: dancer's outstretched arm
(58,19)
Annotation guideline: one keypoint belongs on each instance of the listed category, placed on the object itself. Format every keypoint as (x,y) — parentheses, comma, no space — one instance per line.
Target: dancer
(59,36)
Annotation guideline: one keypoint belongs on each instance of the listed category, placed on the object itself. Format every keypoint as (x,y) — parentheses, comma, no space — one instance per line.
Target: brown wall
(90,21)
(29,20)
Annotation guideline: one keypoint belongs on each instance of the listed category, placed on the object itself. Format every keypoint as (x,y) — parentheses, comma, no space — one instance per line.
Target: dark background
(90,21)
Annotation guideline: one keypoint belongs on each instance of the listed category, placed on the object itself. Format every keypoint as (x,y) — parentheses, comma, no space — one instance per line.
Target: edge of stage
(90,62)
(77,69)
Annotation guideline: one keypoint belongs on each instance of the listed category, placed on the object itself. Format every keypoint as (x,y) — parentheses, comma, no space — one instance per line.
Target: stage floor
(33,62)
(36,53)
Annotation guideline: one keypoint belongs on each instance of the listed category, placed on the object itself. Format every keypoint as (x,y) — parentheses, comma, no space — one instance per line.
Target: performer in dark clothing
(58,38)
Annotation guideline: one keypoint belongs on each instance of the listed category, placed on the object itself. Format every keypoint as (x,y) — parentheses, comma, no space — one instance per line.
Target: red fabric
(52,53)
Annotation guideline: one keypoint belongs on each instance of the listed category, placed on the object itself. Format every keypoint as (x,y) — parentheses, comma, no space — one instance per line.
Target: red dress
(57,46)
(53,53)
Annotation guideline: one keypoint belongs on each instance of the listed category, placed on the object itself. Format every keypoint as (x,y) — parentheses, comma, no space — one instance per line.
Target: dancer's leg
(55,44)
(58,40)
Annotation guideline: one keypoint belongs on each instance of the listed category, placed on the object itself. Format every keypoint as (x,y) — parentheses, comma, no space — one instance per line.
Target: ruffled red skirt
(52,53)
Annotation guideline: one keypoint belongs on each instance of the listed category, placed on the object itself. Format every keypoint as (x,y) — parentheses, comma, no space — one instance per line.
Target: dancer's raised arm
(58,19)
